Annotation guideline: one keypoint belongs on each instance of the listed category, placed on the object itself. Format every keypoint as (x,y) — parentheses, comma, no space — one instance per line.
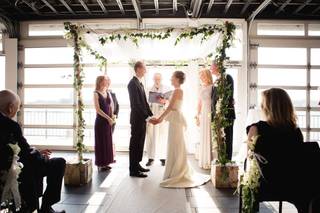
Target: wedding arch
(75,34)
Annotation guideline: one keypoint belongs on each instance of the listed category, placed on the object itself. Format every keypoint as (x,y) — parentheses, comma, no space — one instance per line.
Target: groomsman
(157,134)
(231,115)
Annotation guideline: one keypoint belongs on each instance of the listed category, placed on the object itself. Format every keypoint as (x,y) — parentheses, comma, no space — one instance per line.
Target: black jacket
(32,160)
(116,104)
(214,98)
(140,109)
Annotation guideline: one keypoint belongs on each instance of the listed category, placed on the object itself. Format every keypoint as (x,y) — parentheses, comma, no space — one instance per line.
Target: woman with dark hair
(280,142)
(178,173)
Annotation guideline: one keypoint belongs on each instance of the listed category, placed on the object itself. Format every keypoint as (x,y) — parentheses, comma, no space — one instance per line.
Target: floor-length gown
(103,134)
(205,149)
(178,173)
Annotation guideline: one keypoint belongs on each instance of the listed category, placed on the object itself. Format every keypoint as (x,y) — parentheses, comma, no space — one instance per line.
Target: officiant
(157,134)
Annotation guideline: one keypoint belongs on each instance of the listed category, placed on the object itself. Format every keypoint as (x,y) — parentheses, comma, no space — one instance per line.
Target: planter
(196,154)
(77,174)
(224,176)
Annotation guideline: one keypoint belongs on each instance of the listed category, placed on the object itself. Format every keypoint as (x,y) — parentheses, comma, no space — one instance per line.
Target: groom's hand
(153,121)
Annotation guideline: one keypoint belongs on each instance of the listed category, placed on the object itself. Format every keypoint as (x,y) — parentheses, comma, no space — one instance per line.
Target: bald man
(157,134)
(37,164)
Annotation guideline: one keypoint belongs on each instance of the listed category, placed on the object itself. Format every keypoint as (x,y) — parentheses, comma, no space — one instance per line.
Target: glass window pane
(314,98)
(121,136)
(122,95)
(314,119)
(34,116)
(315,77)
(40,96)
(280,29)
(90,74)
(89,137)
(282,56)
(89,115)
(48,76)
(314,29)
(120,75)
(123,117)
(274,77)
(315,56)
(46,30)
(57,137)
(2,73)
(88,96)
(49,55)
(298,97)
(301,115)
(314,136)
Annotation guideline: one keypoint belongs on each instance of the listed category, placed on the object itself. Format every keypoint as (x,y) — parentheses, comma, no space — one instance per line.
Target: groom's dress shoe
(150,162)
(139,175)
(141,169)
(163,162)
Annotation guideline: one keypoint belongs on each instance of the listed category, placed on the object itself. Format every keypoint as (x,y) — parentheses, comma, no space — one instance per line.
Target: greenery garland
(75,33)
(250,180)
(220,120)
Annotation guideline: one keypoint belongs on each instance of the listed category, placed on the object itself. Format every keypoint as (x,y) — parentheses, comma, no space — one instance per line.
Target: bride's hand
(197,120)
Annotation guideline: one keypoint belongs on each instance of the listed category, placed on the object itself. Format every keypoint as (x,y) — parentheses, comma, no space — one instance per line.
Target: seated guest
(287,172)
(37,164)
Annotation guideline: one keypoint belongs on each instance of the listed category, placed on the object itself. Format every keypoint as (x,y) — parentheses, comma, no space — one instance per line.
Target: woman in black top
(280,142)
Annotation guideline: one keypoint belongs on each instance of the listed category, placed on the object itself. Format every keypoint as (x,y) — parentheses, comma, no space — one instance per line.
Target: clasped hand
(155,121)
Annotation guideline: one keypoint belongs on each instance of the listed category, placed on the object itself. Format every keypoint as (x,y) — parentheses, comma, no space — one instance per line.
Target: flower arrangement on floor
(9,186)
(250,180)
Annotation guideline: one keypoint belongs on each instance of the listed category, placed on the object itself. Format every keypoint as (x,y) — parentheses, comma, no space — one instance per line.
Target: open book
(155,96)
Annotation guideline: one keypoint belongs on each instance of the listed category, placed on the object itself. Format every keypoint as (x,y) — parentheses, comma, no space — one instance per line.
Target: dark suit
(35,168)
(231,115)
(140,111)
(116,107)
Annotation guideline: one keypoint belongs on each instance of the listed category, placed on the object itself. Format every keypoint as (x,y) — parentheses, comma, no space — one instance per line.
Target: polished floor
(116,192)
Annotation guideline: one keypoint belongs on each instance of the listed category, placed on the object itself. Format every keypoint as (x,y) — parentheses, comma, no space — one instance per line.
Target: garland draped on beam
(75,33)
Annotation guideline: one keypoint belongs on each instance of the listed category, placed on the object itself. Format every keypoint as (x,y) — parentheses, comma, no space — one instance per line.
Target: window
(314,29)
(280,29)
(46,30)
(2,73)
(52,55)
(272,55)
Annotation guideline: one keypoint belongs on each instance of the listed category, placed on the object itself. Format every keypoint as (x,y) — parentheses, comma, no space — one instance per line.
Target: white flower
(15,148)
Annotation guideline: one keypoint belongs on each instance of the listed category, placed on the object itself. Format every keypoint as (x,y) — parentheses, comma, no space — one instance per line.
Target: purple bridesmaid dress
(103,134)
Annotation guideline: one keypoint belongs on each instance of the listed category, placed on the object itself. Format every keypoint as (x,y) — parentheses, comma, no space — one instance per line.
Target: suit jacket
(32,160)
(116,104)
(231,115)
(140,109)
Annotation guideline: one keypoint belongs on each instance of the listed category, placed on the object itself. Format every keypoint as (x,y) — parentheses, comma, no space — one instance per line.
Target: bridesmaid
(103,125)
(203,119)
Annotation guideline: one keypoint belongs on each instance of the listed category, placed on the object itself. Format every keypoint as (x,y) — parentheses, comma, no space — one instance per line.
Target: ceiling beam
(302,6)
(245,7)
(227,6)
(156,6)
(210,6)
(283,6)
(196,8)
(137,9)
(32,5)
(15,6)
(68,7)
(120,6)
(103,8)
(50,6)
(261,7)
(315,10)
(85,6)
(175,5)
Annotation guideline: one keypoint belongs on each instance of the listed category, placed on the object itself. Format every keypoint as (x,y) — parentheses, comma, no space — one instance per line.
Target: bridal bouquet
(250,180)
(9,186)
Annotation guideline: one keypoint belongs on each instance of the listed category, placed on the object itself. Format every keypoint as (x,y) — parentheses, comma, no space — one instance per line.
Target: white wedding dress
(178,172)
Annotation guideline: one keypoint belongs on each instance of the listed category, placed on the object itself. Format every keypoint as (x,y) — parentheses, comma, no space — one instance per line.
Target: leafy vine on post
(74,34)
(220,120)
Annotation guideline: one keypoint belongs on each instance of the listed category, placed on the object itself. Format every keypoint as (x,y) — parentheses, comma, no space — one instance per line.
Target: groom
(140,114)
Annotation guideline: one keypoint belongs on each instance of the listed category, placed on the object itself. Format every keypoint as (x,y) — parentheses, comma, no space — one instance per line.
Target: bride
(178,173)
